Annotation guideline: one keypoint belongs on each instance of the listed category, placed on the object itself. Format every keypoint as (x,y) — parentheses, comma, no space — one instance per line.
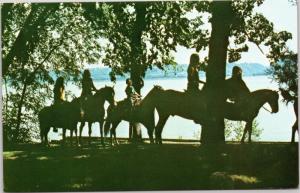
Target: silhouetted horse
(193,106)
(93,109)
(142,113)
(68,114)
(65,115)
(249,108)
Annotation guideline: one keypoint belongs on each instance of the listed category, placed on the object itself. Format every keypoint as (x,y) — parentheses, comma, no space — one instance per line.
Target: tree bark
(213,129)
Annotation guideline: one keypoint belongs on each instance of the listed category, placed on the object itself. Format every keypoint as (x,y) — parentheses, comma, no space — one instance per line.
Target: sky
(284,17)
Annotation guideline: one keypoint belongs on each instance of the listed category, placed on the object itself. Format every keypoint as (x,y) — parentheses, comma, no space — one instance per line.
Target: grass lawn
(170,166)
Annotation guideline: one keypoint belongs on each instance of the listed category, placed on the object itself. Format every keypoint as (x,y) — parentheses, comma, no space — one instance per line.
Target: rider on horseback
(59,91)
(132,96)
(87,88)
(236,88)
(87,85)
(193,73)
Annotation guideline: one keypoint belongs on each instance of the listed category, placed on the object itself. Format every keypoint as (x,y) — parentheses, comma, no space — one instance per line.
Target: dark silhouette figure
(289,98)
(93,110)
(59,91)
(68,114)
(193,73)
(133,99)
(194,107)
(132,95)
(236,89)
(143,113)
(87,85)
(65,115)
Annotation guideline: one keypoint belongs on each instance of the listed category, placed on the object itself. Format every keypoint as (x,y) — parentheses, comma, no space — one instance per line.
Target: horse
(141,113)
(193,106)
(93,110)
(64,115)
(68,114)
(249,108)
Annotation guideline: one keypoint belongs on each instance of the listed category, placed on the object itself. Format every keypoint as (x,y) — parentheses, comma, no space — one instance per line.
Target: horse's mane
(261,92)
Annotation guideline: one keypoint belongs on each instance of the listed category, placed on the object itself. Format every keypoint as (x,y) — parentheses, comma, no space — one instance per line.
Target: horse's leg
(113,133)
(90,131)
(150,129)
(159,127)
(64,137)
(249,124)
(46,136)
(42,130)
(101,131)
(71,131)
(130,131)
(80,132)
(77,141)
(150,133)
(244,133)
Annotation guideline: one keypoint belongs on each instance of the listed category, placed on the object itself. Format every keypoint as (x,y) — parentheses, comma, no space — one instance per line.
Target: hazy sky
(284,17)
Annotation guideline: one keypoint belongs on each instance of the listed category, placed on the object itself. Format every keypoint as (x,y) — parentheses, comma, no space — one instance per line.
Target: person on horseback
(87,85)
(235,88)
(132,95)
(133,99)
(87,88)
(59,91)
(193,73)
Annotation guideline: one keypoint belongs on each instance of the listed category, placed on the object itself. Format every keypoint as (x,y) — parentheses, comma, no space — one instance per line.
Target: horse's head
(152,95)
(107,93)
(273,101)
(156,89)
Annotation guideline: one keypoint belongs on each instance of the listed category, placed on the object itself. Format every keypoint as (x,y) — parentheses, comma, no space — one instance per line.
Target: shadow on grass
(150,167)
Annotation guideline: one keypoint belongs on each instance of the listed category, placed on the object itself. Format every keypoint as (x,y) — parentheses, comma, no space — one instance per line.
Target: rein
(267,109)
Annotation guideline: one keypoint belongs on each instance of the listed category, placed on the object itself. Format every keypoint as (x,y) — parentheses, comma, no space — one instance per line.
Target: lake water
(276,127)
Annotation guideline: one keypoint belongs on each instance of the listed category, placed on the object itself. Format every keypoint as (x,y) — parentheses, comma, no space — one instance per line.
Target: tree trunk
(136,53)
(213,129)
(19,114)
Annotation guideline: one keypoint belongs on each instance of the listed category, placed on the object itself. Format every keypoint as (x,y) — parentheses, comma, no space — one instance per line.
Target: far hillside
(180,71)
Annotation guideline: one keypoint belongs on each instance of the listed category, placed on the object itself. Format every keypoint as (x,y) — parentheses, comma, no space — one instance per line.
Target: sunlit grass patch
(223,176)
(87,181)
(244,179)
(42,158)
(81,156)
(11,154)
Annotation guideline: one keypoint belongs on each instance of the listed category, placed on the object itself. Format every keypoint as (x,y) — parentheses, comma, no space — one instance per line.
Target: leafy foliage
(285,73)
(131,46)
(234,130)
(61,48)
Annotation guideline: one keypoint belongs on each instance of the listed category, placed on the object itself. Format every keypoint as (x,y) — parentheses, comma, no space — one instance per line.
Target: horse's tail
(41,127)
(107,123)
